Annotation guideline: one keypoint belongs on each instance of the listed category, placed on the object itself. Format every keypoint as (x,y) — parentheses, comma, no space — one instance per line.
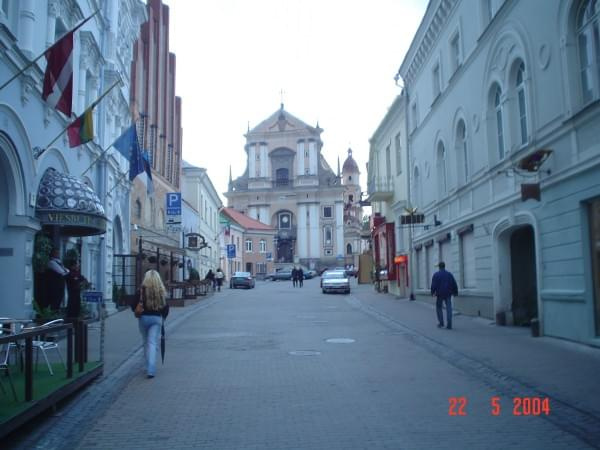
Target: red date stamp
(521,406)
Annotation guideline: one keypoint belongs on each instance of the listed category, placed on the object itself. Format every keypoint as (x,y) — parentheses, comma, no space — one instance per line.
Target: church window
(349,177)
(349,249)
(327,235)
(282,177)
(327,212)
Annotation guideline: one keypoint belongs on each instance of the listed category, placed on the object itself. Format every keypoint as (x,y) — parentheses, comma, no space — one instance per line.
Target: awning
(70,204)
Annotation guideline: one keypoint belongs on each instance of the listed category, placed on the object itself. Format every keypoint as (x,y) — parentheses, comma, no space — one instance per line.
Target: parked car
(335,281)
(280,274)
(241,279)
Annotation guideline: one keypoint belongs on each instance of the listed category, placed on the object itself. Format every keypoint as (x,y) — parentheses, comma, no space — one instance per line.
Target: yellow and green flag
(82,129)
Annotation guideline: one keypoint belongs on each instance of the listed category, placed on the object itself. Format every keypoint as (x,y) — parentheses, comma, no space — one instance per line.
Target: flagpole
(39,153)
(32,62)
(117,183)
(96,160)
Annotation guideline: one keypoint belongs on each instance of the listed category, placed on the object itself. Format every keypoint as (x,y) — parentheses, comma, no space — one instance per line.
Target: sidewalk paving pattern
(254,370)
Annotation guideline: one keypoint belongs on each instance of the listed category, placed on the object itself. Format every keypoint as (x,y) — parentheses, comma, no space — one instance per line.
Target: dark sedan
(241,279)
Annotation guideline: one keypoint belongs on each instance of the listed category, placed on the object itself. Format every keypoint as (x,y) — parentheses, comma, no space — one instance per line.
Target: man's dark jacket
(443,284)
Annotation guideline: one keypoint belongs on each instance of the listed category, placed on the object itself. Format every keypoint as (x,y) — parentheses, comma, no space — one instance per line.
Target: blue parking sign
(173,203)
(231,251)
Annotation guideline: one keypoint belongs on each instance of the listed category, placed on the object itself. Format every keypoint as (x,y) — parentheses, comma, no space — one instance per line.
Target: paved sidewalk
(566,371)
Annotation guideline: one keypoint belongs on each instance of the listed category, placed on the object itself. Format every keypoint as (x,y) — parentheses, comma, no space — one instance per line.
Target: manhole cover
(339,340)
(304,353)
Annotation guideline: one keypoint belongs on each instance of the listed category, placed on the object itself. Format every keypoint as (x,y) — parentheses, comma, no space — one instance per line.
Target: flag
(58,78)
(127,141)
(82,129)
(136,161)
(148,170)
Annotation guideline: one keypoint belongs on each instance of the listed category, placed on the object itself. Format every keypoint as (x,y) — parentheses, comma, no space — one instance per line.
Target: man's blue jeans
(150,329)
(440,313)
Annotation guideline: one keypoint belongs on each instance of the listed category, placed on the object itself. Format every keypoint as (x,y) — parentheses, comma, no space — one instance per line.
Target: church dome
(350,165)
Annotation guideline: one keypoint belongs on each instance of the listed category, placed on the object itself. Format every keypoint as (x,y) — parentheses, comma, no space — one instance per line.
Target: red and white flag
(58,79)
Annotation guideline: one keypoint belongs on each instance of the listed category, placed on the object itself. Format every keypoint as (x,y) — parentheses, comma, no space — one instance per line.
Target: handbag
(139,309)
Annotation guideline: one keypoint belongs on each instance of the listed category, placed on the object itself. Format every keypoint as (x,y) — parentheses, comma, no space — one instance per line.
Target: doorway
(285,252)
(523,275)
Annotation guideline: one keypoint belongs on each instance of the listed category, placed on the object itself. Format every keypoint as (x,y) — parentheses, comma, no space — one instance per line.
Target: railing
(380,185)
(79,345)
(286,233)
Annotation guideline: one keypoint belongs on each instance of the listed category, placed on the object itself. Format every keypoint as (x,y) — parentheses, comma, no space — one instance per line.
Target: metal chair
(44,345)
(4,352)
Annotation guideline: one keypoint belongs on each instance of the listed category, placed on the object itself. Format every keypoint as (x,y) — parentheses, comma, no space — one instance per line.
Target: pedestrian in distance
(294,277)
(300,274)
(151,309)
(219,277)
(75,282)
(210,276)
(55,275)
(443,286)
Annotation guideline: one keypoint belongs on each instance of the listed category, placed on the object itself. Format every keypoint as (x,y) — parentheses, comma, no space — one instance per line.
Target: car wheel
(324,291)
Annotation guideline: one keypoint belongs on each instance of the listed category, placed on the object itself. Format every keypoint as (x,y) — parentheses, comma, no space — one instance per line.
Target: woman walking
(152,299)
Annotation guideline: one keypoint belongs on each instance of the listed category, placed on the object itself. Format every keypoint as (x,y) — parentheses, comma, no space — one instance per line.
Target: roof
(247,222)
(280,121)
(350,164)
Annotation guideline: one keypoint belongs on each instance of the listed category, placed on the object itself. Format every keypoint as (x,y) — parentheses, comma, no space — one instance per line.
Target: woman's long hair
(154,290)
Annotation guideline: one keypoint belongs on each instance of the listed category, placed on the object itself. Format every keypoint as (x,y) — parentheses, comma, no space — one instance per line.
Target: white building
(388,193)
(490,86)
(200,193)
(29,206)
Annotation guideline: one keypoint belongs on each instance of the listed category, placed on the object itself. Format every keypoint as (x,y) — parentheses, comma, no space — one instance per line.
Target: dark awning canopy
(70,204)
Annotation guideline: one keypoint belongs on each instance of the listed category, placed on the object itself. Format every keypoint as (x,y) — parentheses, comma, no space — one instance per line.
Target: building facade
(43,193)
(158,117)
(232,234)
(352,211)
(388,193)
(199,192)
(504,156)
(289,186)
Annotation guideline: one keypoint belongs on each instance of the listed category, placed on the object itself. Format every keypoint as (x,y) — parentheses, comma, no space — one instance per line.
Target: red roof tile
(247,222)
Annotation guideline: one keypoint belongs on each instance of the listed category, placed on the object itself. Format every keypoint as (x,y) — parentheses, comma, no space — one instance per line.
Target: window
(455,56)
(388,164)
(398,151)
(262,245)
(588,39)
(285,220)
(499,123)
(328,252)
(138,209)
(522,107)
(327,235)
(261,268)
(441,166)
(282,177)
(248,245)
(461,151)
(437,82)
(349,249)
(327,212)
(416,192)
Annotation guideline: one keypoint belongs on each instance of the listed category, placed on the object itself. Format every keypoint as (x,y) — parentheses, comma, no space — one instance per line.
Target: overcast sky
(335,61)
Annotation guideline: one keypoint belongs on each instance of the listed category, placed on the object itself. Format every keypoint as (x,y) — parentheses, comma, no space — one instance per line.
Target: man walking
(443,285)
(300,276)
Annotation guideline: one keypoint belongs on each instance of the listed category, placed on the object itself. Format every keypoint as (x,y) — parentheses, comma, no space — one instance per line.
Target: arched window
(349,249)
(521,104)
(138,209)
(282,177)
(263,246)
(588,38)
(499,121)
(441,169)
(462,154)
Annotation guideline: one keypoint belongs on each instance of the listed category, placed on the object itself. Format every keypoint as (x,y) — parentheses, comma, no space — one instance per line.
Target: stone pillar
(252,161)
(312,157)
(26,25)
(314,232)
(81,81)
(339,228)
(264,161)
(300,158)
(302,231)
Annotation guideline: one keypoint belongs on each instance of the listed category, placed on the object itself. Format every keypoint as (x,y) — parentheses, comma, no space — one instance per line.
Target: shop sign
(74,219)
(401,259)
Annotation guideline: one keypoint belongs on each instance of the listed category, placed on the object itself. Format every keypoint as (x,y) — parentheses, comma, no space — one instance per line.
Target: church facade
(289,186)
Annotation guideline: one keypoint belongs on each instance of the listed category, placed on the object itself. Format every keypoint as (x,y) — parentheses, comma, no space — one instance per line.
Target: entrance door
(249,267)
(285,253)
(524,278)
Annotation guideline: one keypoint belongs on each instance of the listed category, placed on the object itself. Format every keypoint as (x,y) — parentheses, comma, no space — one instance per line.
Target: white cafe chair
(43,346)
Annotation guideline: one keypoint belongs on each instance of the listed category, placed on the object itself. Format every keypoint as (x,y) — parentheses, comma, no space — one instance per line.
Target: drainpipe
(408,190)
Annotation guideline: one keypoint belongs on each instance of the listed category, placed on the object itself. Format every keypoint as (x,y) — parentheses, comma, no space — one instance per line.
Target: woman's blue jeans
(150,329)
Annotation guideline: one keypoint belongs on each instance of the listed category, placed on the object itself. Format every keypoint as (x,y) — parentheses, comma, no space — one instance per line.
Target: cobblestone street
(283,368)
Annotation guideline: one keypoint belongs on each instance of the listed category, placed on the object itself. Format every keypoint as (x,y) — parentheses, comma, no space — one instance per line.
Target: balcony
(380,189)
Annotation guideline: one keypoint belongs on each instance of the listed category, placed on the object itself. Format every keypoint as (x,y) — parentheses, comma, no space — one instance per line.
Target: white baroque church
(288,185)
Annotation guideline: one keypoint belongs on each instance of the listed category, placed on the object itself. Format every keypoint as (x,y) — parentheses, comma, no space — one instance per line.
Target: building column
(312,158)
(339,229)
(252,212)
(26,25)
(302,232)
(300,158)
(252,161)
(314,232)
(264,168)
